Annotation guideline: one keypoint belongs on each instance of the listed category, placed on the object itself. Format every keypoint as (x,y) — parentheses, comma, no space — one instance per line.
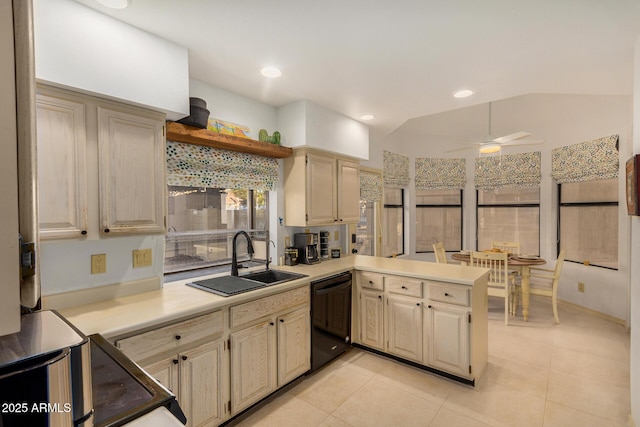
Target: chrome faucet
(234,256)
(268,252)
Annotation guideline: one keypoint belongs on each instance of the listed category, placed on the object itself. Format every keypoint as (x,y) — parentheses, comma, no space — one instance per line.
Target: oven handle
(336,287)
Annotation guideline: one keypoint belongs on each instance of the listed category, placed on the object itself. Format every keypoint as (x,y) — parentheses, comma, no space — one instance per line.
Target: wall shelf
(192,135)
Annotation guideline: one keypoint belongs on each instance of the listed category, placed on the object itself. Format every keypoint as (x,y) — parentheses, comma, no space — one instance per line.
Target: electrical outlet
(142,258)
(287,241)
(580,287)
(336,235)
(98,263)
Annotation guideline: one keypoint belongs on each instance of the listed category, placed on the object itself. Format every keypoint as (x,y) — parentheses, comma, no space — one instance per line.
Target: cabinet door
(404,322)
(447,339)
(348,191)
(62,174)
(321,189)
(166,372)
(131,171)
(372,319)
(201,392)
(294,345)
(253,365)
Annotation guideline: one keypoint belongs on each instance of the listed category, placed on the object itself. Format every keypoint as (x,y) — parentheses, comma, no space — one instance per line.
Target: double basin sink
(233,285)
(272,277)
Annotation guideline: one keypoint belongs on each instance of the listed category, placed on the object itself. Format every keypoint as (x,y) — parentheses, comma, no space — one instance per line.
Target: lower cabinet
(372,319)
(447,339)
(405,327)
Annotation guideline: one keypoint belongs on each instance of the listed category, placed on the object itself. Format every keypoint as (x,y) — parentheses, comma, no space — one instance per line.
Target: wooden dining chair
(510,247)
(549,276)
(441,254)
(500,283)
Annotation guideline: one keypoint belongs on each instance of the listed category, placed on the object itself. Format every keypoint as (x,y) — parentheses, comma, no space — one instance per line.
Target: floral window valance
(370,186)
(513,170)
(440,174)
(586,161)
(198,166)
(395,170)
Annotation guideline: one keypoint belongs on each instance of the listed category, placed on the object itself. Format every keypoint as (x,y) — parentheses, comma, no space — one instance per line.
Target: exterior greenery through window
(202,222)
(393,222)
(439,219)
(589,222)
(509,214)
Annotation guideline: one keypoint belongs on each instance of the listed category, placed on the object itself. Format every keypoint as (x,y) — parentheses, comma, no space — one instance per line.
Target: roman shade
(198,166)
(370,186)
(395,170)
(440,174)
(513,170)
(587,161)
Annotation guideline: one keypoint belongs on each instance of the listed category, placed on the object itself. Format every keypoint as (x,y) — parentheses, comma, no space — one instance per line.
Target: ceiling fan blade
(511,137)
(467,148)
(523,142)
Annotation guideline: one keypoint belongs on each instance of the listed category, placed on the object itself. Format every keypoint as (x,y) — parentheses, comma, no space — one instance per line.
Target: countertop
(125,315)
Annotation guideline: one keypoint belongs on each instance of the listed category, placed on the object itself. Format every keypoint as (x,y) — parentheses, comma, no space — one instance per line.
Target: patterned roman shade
(440,174)
(395,170)
(197,166)
(370,186)
(586,161)
(513,170)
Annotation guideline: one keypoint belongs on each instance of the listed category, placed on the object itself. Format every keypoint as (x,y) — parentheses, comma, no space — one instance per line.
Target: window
(589,222)
(366,228)
(439,219)
(393,222)
(202,222)
(509,214)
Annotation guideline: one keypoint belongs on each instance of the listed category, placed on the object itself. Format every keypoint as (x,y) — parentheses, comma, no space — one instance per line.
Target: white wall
(560,120)
(78,47)
(634,276)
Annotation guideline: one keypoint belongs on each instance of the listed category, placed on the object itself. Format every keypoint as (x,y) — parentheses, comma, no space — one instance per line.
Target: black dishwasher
(330,318)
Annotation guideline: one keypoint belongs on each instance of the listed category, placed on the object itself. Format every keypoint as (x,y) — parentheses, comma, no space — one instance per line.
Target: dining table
(519,262)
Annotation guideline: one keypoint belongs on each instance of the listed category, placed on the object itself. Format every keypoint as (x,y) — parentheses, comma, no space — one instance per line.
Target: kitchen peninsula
(427,314)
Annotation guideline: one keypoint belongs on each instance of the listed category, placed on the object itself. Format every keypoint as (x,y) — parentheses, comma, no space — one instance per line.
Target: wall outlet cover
(98,263)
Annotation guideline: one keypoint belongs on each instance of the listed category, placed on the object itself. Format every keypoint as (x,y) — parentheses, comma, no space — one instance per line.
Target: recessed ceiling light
(114,4)
(367,117)
(463,93)
(271,72)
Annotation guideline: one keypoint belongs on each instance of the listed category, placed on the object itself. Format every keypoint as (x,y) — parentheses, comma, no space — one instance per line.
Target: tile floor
(539,374)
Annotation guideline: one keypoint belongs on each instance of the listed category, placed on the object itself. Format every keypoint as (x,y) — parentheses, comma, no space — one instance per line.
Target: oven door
(330,318)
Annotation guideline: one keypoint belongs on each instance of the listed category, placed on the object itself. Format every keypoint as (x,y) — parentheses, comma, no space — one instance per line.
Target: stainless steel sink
(272,277)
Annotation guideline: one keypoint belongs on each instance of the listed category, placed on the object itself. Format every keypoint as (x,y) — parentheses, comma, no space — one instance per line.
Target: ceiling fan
(491,144)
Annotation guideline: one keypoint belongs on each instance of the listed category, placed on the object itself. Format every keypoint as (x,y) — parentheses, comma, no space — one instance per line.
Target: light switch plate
(142,258)
(98,263)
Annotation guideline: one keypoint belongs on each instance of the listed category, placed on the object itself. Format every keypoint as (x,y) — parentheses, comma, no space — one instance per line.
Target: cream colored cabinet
(447,338)
(90,146)
(321,189)
(372,319)
(270,345)
(62,171)
(132,158)
(405,327)
(191,359)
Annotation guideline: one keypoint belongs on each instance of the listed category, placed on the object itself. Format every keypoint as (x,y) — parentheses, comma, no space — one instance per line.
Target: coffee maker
(307,244)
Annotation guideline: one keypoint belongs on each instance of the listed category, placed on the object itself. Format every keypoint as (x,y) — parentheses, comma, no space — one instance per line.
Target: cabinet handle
(429,306)
(106,230)
(271,323)
(83,232)
(175,361)
(281,320)
(446,294)
(178,337)
(404,287)
(371,282)
(418,304)
(184,357)
(380,296)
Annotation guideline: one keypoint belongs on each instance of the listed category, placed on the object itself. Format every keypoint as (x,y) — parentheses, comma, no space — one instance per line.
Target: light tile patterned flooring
(539,374)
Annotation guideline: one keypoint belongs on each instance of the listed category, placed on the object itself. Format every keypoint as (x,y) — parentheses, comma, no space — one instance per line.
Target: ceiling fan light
(463,93)
(490,148)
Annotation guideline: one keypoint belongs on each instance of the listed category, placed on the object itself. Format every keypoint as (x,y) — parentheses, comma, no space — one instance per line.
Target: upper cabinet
(321,189)
(99,162)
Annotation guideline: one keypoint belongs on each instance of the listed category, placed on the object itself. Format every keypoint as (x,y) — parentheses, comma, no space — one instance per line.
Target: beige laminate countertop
(126,315)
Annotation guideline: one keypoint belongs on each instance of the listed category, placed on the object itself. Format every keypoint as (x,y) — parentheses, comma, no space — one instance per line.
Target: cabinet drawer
(450,294)
(371,280)
(267,306)
(168,338)
(404,286)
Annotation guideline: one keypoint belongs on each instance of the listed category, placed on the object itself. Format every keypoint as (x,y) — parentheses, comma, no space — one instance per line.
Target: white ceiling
(398,60)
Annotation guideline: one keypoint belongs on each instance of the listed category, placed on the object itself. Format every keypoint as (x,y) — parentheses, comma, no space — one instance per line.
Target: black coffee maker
(307,244)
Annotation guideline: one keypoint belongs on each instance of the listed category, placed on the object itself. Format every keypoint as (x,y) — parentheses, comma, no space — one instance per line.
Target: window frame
(574,204)
(401,206)
(461,206)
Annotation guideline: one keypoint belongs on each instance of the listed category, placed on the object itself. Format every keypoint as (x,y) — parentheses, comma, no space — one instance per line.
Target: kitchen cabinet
(405,327)
(447,339)
(91,146)
(321,189)
(270,345)
(191,359)
(62,170)
(370,288)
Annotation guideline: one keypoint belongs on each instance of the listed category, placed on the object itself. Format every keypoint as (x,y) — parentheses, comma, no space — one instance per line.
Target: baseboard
(600,314)
(101,293)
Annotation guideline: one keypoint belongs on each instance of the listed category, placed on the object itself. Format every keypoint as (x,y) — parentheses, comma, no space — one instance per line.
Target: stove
(122,391)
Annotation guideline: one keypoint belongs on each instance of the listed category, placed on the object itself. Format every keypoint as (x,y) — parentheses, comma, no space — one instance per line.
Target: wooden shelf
(182,133)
